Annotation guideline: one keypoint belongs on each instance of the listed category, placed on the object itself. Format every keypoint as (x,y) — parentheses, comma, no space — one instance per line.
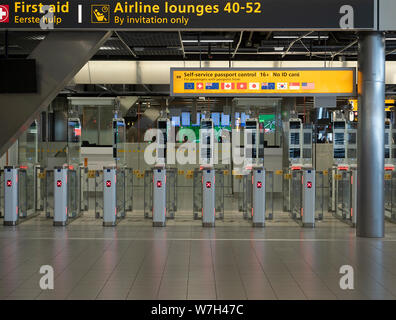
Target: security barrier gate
(40,188)
(19,185)
(198,194)
(1,193)
(128,189)
(171,193)
(321,192)
(293,193)
(345,196)
(122,186)
(390,196)
(84,183)
(49,193)
(245,195)
(303,194)
(76,192)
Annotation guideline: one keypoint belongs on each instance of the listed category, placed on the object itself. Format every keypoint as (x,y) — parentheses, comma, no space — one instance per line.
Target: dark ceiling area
(244,45)
(195,46)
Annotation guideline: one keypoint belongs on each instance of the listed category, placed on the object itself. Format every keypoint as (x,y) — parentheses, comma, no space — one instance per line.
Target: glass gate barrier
(296,194)
(286,191)
(26,184)
(98,194)
(49,194)
(128,189)
(171,192)
(120,192)
(219,194)
(197,194)
(269,195)
(40,188)
(84,187)
(343,195)
(73,194)
(332,190)
(1,193)
(320,192)
(148,194)
(241,181)
(390,196)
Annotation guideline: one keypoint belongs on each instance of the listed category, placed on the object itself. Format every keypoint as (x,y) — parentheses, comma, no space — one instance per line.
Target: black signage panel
(188,14)
(11,80)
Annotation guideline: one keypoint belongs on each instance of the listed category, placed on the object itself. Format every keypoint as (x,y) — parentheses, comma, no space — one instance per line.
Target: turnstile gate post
(11,196)
(308,203)
(159,197)
(354,197)
(109,197)
(60,196)
(208,198)
(258,197)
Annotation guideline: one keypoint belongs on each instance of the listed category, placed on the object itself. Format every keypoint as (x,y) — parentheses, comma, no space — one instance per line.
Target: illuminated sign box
(263,82)
(389,103)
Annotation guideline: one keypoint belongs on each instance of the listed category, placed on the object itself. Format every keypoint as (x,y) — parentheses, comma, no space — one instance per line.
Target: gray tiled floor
(184,261)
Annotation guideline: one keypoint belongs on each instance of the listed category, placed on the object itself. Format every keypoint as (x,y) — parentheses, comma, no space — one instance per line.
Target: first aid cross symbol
(3,13)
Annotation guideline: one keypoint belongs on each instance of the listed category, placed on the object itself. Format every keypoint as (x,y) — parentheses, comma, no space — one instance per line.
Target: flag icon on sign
(308,85)
(200,85)
(268,86)
(282,85)
(241,85)
(188,85)
(254,86)
(294,85)
(228,86)
(212,86)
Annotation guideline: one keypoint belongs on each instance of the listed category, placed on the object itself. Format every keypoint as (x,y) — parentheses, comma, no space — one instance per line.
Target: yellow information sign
(263,82)
(388,104)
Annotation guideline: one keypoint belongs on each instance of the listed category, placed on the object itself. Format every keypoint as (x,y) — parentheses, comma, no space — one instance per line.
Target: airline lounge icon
(100,13)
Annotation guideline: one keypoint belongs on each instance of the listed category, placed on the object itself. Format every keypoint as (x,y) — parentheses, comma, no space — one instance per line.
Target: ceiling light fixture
(209,41)
(107,48)
(307,37)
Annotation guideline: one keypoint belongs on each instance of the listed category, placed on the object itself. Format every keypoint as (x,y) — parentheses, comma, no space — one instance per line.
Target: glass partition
(27,160)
